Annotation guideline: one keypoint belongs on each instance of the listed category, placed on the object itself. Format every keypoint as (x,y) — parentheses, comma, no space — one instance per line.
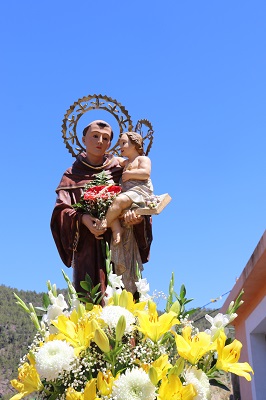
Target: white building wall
(256,343)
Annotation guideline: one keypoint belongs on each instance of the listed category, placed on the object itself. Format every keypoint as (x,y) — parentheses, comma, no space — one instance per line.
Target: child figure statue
(136,184)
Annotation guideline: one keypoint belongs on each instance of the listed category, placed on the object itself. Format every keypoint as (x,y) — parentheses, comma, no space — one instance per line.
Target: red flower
(101,192)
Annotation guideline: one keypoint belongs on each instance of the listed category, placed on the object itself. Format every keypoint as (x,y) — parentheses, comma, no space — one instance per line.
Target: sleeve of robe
(65,223)
(143,235)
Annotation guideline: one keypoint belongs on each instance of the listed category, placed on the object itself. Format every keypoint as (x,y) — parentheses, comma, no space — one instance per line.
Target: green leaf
(89,280)
(77,205)
(46,300)
(182,291)
(187,301)
(54,396)
(94,290)
(167,337)
(216,382)
(21,303)
(100,299)
(86,286)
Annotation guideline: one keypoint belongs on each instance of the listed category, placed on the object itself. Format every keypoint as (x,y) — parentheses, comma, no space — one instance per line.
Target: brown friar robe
(76,245)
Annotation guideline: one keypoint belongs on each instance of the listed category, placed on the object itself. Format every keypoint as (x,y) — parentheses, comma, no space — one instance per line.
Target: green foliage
(178,305)
(16,334)
(93,293)
(102,178)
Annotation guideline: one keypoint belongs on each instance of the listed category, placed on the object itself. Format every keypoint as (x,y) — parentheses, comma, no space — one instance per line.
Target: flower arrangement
(98,195)
(124,350)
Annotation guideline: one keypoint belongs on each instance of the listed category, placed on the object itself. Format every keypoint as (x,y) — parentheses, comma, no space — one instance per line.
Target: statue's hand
(94,225)
(126,176)
(131,218)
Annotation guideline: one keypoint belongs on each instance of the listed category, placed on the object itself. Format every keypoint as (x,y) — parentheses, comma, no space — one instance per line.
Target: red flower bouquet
(97,196)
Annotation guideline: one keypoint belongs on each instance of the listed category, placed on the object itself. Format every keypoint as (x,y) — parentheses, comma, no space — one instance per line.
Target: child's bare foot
(117,236)
(117,231)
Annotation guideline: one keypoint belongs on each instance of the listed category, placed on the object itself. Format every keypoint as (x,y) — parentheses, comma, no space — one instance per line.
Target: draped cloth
(138,191)
(76,245)
(126,258)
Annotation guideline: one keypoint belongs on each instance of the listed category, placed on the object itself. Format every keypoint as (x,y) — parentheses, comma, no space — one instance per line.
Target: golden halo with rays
(112,106)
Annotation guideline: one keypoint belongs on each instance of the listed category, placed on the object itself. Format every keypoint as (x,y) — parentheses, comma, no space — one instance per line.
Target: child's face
(126,147)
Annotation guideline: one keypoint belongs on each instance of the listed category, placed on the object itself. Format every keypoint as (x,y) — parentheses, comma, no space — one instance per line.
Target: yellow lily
(158,368)
(126,300)
(192,348)
(78,332)
(31,357)
(152,311)
(153,326)
(162,365)
(105,382)
(172,389)
(28,381)
(88,394)
(228,357)
(120,328)
(102,341)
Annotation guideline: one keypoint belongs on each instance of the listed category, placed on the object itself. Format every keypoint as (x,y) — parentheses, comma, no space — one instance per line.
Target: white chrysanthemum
(53,358)
(111,315)
(134,385)
(200,382)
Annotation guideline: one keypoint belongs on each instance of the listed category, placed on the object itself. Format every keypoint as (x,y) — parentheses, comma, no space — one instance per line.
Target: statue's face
(97,140)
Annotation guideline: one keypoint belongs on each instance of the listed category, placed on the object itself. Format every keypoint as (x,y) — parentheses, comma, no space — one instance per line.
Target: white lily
(58,301)
(218,323)
(143,288)
(115,281)
(57,307)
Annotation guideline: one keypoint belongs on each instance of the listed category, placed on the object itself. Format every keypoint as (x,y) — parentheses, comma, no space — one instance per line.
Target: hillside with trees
(16,333)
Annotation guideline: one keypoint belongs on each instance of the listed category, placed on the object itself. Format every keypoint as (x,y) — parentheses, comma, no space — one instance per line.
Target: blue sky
(196,70)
